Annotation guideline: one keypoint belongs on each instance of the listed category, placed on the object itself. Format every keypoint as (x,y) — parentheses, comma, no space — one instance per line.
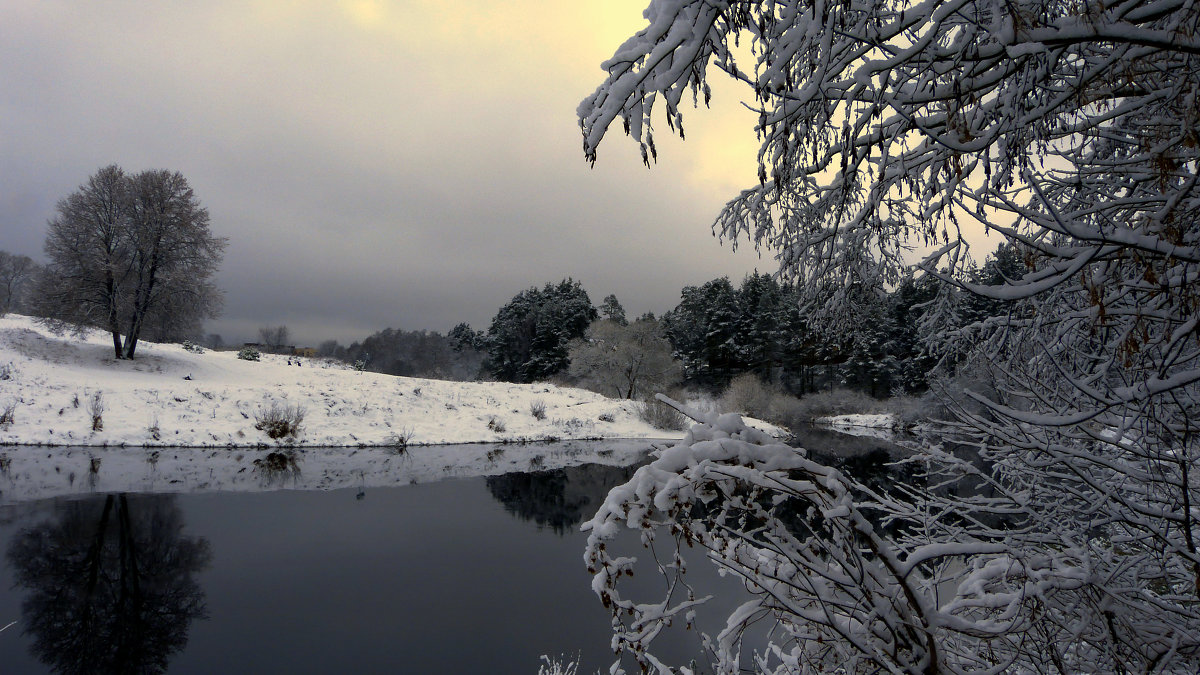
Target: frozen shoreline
(30,474)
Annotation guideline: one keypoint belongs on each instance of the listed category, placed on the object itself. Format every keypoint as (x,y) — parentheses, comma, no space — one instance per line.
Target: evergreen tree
(703,331)
(528,338)
(612,310)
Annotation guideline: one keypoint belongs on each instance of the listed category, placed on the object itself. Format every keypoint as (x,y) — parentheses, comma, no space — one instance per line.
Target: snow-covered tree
(130,251)
(528,337)
(1070,131)
(703,329)
(464,338)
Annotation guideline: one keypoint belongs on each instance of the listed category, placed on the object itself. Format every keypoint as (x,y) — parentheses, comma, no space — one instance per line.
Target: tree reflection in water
(111,584)
(560,499)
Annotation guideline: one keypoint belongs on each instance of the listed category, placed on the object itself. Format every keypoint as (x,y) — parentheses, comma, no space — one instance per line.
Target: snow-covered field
(174,398)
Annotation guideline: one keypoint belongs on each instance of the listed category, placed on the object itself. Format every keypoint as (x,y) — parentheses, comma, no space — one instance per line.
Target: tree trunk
(141,304)
(113,327)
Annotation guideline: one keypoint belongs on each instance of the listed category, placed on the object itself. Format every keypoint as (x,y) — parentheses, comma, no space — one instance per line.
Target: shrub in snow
(360,365)
(538,409)
(497,425)
(95,408)
(607,417)
(7,414)
(6,371)
(660,416)
(249,354)
(279,420)
(837,402)
(398,441)
(748,394)
(189,346)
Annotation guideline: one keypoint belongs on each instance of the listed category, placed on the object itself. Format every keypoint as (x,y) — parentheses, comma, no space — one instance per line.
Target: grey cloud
(359,187)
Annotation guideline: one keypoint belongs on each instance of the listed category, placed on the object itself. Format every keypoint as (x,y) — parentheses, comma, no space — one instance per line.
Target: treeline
(717,332)
(417,353)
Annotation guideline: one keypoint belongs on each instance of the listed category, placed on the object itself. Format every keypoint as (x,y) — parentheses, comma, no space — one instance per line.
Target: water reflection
(110,583)
(560,499)
(277,468)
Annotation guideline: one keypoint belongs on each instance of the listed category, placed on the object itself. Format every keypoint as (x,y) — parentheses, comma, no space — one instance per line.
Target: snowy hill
(172,397)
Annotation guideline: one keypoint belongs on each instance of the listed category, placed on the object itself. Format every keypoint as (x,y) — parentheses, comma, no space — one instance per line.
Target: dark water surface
(457,576)
(466,575)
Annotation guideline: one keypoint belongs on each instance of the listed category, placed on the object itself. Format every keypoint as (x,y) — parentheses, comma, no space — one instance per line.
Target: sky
(409,164)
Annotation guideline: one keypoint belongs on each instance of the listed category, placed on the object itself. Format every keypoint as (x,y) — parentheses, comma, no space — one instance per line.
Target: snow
(211,399)
(882,426)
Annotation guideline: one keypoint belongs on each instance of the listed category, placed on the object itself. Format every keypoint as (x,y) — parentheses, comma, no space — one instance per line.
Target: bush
(538,409)
(189,346)
(249,354)
(749,395)
(8,414)
(791,412)
(279,420)
(497,425)
(398,441)
(660,415)
(6,371)
(95,408)
(153,429)
(607,417)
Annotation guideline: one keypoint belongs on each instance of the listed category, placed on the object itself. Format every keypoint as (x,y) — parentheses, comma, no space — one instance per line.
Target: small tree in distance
(611,309)
(274,337)
(17,273)
(626,361)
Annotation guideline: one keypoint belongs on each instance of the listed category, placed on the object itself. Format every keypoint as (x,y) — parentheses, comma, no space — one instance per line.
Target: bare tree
(626,361)
(274,337)
(87,245)
(127,251)
(17,273)
(1069,131)
(174,255)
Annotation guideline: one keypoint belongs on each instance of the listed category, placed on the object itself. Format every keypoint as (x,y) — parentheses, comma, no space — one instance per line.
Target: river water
(468,574)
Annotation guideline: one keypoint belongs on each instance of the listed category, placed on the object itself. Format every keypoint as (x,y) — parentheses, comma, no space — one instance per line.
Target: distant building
(286,350)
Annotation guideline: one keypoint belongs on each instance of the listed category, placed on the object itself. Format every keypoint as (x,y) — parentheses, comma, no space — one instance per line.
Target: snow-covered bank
(883,426)
(28,474)
(172,397)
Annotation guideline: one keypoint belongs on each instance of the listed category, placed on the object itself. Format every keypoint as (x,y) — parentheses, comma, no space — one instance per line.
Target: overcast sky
(373,164)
